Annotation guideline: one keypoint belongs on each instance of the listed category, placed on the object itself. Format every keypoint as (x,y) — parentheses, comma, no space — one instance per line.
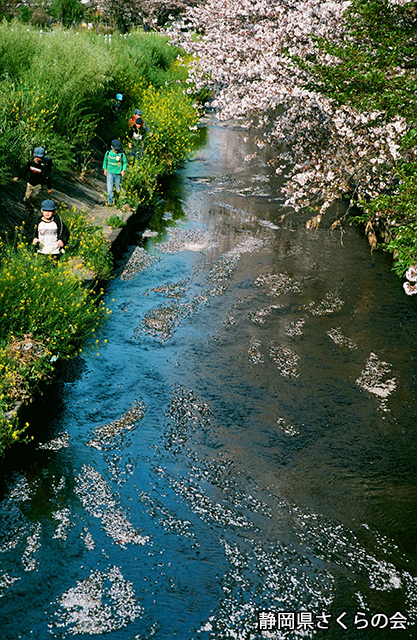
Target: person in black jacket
(51,234)
(137,133)
(37,172)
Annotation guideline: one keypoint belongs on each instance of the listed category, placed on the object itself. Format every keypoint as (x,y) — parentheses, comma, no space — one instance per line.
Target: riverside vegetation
(49,99)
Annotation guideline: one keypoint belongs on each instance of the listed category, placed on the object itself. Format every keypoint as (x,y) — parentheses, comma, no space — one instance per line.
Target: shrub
(170,116)
(87,242)
(53,313)
(116,222)
(49,99)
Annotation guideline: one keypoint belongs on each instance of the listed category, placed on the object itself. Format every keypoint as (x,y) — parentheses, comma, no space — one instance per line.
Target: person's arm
(36,234)
(48,175)
(23,172)
(64,234)
(105,162)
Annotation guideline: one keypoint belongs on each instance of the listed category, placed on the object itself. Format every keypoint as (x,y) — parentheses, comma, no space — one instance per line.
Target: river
(242,451)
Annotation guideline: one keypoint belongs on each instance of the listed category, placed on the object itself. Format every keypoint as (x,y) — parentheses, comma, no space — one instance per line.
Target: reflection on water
(245,441)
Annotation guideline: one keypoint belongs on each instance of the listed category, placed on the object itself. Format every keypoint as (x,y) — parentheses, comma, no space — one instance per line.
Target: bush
(52,314)
(171,117)
(116,222)
(88,242)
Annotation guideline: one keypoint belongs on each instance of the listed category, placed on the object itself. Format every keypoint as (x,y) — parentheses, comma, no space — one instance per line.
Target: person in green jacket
(114,166)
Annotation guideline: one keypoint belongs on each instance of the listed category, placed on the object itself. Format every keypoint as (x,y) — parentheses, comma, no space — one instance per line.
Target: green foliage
(140,184)
(49,99)
(88,243)
(10,432)
(171,117)
(148,56)
(116,222)
(47,300)
(67,10)
(399,208)
(376,59)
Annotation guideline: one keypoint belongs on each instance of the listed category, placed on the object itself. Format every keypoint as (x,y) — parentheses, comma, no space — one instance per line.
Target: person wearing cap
(50,234)
(117,105)
(137,134)
(114,167)
(137,131)
(36,172)
(136,114)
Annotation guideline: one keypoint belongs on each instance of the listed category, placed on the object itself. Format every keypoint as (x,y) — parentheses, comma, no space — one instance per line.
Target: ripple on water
(221,472)
(285,359)
(335,543)
(65,524)
(6,581)
(87,538)
(150,234)
(186,413)
(330,304)
(104,436)
(295,328)
(288,429)
(255,192)
(268,224)
(162,321)
(167,518)
(60,442)
(254,352)
(102,603)
(14,526)
(260,315)
(342,341)
(138,261)
(172,289)
(371,379)
(278,284)
(266,579)
(99,501)
(226,265)
(33,544)
(201,504)
(199,240)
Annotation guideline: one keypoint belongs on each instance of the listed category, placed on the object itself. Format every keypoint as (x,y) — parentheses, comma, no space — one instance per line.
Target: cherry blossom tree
(269,63)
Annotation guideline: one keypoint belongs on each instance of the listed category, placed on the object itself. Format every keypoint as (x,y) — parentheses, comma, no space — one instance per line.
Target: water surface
(244,442)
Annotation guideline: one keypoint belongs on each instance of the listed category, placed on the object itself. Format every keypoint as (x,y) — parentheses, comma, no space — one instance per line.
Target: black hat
(116,145)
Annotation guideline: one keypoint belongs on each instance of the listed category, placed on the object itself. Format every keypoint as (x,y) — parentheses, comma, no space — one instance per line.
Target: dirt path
(87,195)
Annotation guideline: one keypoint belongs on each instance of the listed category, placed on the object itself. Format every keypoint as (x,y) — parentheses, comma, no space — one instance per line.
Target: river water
(244,442)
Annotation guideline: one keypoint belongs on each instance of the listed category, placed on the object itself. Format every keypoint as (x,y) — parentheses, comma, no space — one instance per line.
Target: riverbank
(28,358)
(27,361)
(46,311)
